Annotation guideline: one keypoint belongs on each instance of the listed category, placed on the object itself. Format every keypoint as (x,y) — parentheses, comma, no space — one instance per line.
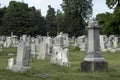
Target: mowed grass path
(56,72)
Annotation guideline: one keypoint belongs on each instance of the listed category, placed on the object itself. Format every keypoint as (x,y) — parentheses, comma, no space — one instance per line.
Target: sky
(99,6)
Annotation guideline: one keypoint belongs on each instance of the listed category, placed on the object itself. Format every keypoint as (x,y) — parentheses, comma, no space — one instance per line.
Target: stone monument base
(17,68)
(89,66)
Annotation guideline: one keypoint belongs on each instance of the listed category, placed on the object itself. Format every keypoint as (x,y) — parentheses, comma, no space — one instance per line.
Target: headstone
(33,50)
(32,40)
(37,41)
(59,40)
(23,58)
(82,43)
(28,39)
(10,63)
(115,43)
(14,40)
(60,56)
(50,45)
(65,59)
(24,38)
(43,51)
(66,40)
(60,52)
(94,60)
(103,43)
(110,43)
(6,44)
(37,49)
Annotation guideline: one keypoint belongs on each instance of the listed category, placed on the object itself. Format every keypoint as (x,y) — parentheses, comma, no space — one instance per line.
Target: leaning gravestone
(23,58)
(94,60)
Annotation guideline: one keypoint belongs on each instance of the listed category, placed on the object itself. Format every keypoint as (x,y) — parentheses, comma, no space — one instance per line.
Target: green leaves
(21,19)
(110,22)
(75,14)
(113,3)
(51,21)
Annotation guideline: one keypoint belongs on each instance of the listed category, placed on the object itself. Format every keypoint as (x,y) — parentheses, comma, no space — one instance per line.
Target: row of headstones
(93,60)
(56,49)
(13,41)
(9,41)
(106,43)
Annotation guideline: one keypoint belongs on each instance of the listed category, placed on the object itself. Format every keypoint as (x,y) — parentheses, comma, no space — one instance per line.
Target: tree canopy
(110,21)
(75,14)
(21,19)
(106,21)
(113,3)
(51,21)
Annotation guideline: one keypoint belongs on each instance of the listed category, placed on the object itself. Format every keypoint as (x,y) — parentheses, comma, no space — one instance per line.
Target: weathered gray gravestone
(33,50)
(60,52)
(10,63)
(103,43)
(49,42)
(43,51)
(115,42)
(23,58)
(94,60)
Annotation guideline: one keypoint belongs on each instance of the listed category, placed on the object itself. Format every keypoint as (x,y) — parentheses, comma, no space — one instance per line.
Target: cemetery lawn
(43,70)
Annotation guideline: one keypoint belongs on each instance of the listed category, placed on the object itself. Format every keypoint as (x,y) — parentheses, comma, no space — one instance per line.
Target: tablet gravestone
(23,58)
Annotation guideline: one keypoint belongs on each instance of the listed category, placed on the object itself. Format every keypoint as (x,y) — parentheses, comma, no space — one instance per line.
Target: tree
(16,18)
(21,19)
(105,20)
(51,21)
(37,22)
(2,13)
(114,21)
(110,23)
(60,17)
(113,3)
(76,12)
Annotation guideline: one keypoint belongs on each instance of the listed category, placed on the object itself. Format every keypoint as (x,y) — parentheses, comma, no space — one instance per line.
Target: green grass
(58,72)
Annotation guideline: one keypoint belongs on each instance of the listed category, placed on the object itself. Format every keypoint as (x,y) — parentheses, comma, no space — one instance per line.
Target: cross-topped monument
(94,60)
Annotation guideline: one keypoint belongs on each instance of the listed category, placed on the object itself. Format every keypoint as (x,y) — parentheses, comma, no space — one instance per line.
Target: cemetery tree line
(21,19)
(110,22)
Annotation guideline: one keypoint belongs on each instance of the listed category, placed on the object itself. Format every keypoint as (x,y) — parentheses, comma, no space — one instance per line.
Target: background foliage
(21,19)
